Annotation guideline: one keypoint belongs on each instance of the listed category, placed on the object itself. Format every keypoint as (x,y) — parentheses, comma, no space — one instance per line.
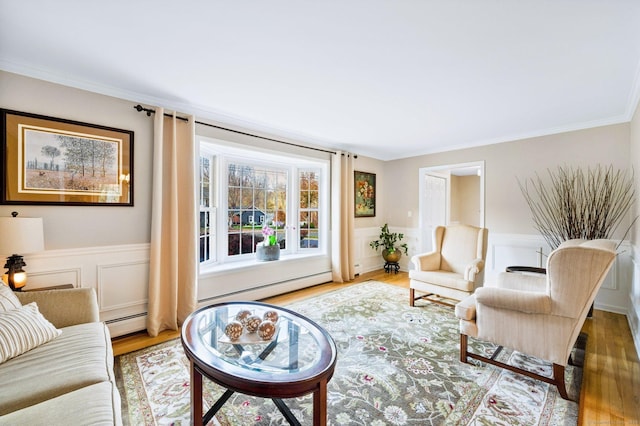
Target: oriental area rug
(396,365)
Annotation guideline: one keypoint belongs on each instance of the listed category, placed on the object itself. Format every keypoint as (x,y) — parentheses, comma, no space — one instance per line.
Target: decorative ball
(271,316)
(266,330)
(252,323)
(243,315)
(233,330)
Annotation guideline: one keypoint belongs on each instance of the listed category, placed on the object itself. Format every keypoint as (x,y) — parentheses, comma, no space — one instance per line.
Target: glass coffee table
(297,360)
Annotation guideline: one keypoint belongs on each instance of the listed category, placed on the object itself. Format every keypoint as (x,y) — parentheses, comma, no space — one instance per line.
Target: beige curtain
(173,258)
(342,204)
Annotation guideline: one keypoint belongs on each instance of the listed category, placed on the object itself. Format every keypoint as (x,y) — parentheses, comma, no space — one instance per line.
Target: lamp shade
(21,235)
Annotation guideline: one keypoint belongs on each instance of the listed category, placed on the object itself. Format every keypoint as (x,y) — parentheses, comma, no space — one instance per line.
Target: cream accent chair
(455,267)
(538,315)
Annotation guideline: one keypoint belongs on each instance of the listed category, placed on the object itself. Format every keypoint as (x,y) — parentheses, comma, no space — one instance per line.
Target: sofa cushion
(81,356)
(97,404)
(443,279)
(22,330)
(8,300)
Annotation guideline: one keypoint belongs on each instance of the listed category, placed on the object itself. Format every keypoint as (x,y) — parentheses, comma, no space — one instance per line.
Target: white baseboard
(121,327)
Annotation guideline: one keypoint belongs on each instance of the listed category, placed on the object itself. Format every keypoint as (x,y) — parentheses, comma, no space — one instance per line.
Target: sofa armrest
(427,261)
(64,307)
(524,301)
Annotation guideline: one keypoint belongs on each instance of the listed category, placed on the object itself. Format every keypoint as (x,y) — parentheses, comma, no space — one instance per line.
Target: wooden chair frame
(558,370)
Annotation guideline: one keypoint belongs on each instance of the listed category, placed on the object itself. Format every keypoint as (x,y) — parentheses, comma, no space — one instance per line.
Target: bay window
(243,190)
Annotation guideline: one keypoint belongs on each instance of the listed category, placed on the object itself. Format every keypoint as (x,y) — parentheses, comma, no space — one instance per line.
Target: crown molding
(199,111)
(634,96)
(264,129)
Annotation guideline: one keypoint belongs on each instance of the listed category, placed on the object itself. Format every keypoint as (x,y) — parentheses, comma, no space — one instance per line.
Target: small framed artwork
(365,194)
(48,160)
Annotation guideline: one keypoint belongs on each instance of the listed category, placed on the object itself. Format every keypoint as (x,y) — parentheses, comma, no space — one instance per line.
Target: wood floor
(611,380)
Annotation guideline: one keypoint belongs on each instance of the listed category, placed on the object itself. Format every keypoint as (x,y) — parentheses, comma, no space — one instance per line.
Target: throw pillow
(8,300)
(23,329)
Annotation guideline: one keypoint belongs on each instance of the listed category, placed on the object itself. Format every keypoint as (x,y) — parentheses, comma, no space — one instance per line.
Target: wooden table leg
(196,395)
(320,405)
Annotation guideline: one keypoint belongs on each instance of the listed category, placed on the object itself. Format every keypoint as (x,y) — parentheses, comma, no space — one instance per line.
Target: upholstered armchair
(535,314)
(455,267)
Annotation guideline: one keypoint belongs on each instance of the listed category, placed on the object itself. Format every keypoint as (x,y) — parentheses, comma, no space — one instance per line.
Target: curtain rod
(150,111)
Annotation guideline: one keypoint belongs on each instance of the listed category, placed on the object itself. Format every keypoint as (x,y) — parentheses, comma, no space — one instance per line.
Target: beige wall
(465,200)
(83,226)
(80,226)
(506,209)
(371,165)
(397,181)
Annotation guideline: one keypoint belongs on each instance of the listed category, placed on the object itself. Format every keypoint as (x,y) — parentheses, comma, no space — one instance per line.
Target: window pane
(234,198)
(309,209)
(304,199)
(259,204)
(206,237)
(313,199)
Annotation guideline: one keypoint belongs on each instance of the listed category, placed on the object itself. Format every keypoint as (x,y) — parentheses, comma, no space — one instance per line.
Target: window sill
(215,269)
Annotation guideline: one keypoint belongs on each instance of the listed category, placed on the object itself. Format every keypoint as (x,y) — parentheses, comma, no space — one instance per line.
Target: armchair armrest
(427,261)
(473,268)
(530,302)
(64,307)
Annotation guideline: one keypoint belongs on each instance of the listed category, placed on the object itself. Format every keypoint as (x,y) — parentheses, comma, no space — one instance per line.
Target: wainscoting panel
(504,256)
(505,250)
(42,279)
(367,259)
(116,293)
(119,275)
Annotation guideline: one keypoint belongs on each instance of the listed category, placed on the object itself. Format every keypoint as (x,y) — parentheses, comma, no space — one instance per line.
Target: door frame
(448,170)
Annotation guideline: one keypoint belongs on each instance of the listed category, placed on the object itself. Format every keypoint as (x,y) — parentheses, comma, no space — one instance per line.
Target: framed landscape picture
(365,194)
(50,160)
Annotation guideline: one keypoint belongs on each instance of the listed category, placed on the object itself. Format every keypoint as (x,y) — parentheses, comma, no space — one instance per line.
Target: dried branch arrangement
(574,203)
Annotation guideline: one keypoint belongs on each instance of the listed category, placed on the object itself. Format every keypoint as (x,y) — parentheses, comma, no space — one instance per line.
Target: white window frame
(222,153)
(212,209)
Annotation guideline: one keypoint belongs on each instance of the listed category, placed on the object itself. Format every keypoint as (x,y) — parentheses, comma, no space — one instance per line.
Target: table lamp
(19,235)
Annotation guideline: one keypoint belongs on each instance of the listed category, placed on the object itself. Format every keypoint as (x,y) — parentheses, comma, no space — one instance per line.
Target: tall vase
(267,253)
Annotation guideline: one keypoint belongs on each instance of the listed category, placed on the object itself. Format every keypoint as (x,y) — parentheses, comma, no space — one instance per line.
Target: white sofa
(69,379)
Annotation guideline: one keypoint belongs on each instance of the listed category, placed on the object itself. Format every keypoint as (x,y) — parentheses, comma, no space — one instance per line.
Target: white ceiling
(387,79)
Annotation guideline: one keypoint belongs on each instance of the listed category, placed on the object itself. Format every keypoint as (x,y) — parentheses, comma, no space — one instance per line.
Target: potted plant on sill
(389,242)
(268,249)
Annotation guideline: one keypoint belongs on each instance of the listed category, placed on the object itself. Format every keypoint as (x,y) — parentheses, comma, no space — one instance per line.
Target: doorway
(452,193)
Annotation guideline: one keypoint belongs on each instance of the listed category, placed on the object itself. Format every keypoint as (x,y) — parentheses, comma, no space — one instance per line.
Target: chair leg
(558,377)
(463,347)
(412,297)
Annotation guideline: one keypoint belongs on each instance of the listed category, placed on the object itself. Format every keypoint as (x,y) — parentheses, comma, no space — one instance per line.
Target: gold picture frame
(365,194)
(49,160)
